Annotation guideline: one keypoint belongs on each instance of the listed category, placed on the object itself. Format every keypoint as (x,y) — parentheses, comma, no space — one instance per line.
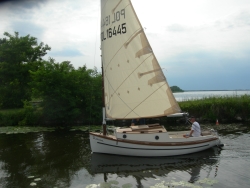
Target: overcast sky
(201,44)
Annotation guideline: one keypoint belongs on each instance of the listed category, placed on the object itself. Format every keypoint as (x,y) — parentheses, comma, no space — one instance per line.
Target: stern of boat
(215,134)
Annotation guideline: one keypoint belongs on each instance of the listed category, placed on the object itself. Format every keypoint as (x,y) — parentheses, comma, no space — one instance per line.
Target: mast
(104,130)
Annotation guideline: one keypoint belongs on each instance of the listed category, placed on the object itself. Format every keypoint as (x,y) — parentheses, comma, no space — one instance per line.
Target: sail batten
(134,83)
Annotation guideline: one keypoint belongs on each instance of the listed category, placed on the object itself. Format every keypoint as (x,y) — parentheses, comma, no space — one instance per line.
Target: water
(201,94)
(61,159)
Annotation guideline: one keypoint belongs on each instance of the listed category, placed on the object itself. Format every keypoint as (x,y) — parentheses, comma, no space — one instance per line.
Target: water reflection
(195,174)
(63,159)
(151,167)
(53,157)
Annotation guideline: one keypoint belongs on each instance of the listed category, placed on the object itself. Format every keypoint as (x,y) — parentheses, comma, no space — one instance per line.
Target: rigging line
(91,87)
(96,41)
(104,6)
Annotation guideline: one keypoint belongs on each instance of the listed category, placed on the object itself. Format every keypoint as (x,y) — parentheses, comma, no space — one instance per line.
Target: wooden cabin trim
(137,131)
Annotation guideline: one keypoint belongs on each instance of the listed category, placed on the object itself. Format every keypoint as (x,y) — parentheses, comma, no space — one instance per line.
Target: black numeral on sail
(111,32)
(114,31)
(103,36)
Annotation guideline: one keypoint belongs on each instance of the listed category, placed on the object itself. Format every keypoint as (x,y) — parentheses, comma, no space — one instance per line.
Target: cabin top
(143,128)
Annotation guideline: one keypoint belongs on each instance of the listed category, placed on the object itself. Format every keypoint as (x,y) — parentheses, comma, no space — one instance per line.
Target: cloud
(27,27)
(209,36)
(18,15)
(237,20)
(177,28)
(66,52)
(20,5)
(70,28)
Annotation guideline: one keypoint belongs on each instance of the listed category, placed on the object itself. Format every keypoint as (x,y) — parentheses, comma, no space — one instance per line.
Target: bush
(31,115)
(11,117)
(27,116)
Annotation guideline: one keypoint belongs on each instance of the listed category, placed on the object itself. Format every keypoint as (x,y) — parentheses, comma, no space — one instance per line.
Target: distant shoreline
(220,90)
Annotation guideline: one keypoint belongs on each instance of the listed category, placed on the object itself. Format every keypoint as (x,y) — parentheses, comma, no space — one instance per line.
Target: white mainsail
(134,84)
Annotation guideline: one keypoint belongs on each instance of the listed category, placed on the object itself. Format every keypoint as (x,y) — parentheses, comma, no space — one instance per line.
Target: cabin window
(156,137)
(124,136)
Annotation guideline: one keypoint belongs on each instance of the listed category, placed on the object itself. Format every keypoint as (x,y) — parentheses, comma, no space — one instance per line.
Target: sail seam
(116,6)
(117,53)
(145,99)
(132,37)
(115,90)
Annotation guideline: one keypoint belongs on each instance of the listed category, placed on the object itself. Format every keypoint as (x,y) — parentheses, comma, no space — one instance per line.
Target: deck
(151,128)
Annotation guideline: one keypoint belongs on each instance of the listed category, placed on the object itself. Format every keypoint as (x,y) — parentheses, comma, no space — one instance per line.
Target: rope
(91,87)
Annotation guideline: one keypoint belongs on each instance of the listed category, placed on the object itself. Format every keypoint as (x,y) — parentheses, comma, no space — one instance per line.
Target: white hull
(144,144)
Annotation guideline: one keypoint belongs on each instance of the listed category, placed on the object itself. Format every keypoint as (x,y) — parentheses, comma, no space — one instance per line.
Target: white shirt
(196,128)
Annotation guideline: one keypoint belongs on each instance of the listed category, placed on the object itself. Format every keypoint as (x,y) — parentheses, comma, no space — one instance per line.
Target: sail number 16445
(111,32)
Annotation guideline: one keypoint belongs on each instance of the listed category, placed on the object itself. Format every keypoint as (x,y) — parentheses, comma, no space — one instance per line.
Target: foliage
(11,117)
(221,108)
(18,55)
(69,95)
(31,115)
(93,105)
(176,89)
(24,116)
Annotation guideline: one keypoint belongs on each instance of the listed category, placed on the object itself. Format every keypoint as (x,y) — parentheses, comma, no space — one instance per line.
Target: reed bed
(226,108)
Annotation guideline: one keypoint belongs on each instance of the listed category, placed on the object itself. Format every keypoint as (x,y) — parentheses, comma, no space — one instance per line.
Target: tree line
(67,94)
(176,89)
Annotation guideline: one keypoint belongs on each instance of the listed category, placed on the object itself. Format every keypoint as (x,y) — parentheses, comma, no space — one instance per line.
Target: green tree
(18,55)
(176,89)
(94,99)
(65,91)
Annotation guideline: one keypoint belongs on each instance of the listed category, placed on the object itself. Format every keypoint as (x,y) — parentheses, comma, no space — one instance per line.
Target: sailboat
(134,86)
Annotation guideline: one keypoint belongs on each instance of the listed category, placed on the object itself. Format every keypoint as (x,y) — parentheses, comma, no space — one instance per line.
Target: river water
(190,95)
(33,157)
(63,159)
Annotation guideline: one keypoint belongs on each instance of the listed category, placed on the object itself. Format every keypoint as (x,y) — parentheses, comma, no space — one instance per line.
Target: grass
(221,108)
(16,110)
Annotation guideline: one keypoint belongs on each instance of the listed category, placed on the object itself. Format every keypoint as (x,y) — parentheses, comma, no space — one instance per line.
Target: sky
(200,44)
